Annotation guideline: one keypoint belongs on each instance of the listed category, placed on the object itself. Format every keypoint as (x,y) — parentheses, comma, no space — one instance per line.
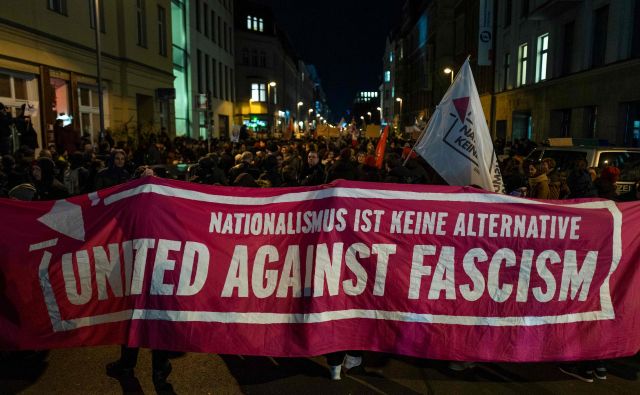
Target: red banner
(429,271)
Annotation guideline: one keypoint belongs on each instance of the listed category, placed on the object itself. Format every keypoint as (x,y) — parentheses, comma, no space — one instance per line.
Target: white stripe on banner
(339,192)
(327,316)
(43,245)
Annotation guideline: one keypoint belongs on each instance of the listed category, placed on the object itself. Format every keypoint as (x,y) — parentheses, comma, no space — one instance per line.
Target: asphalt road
(82,371)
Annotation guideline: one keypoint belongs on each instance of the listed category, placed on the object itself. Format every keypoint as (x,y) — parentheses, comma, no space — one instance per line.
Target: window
(233,91)
(600,27)
(254,57)
(219,33)
(391,57)
(263,59)
(567,48)
(541,58)
(254,23)
(89,111)
(522,64)
(205,23)
(524,11)
(224,31)
(59,6)
(226,82)
(141,17)
(92,15)
(220,79)
(199,69)
(19,87)
(198,15)
(214,78)
(230,40)
(162,31)
(213,26)
(245,56)
(259,92)
(207,80)
(506,68)
(5,85)
(387,76)
(508,10)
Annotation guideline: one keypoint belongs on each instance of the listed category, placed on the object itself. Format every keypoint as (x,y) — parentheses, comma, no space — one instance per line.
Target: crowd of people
(71,166)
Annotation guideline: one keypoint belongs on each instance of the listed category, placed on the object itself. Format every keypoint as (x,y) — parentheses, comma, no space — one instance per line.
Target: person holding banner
(122,369)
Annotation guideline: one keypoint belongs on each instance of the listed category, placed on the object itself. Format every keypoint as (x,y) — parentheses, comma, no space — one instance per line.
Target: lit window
(522,64)
(254,23)
(393,91)
(391,57)
(541,59)
(259,92)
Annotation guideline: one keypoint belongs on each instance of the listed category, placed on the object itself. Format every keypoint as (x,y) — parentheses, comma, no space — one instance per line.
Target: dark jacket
(313,176)
(342,169)
(111,176)
(580,184)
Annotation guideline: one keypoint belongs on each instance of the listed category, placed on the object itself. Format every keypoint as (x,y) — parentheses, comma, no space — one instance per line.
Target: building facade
(568,69)
(422,55)
(275,90)
(204,67)
(48,63)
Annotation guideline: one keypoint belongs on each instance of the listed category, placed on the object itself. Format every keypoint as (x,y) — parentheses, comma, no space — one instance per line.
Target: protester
(344,168)
(314,174)
(538,182)
(116,173)
(47,186)
(579,181)
(6,122)
(28,135)
(606,184)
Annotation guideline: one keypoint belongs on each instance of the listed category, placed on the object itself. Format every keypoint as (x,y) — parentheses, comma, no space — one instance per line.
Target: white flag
(457,142)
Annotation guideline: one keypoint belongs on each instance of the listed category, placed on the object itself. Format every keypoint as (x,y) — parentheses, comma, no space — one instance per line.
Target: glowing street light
(448,70)
(298,110)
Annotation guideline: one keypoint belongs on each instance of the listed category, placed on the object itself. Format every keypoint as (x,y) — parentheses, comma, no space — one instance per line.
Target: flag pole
(418,140)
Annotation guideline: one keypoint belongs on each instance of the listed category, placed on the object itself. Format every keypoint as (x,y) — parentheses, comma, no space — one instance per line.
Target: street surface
(82,371)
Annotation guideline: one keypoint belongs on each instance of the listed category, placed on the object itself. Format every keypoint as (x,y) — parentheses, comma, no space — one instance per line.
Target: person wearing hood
(45,182)
(114,174)
(538,182)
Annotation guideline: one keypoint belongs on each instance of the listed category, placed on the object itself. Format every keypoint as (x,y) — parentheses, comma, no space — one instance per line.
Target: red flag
(382,145)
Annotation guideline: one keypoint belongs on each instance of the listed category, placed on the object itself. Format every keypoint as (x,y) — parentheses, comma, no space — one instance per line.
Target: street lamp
(272,115)
(449,71)
(399,100)
(298,112)
(380,110)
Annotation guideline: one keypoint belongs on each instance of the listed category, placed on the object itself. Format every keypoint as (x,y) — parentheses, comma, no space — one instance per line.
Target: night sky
(344,39)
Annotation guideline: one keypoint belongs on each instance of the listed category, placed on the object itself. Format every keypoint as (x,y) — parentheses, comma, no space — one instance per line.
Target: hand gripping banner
(428,271)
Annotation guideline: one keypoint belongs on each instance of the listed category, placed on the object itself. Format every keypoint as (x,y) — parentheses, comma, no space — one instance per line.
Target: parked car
(625,159)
